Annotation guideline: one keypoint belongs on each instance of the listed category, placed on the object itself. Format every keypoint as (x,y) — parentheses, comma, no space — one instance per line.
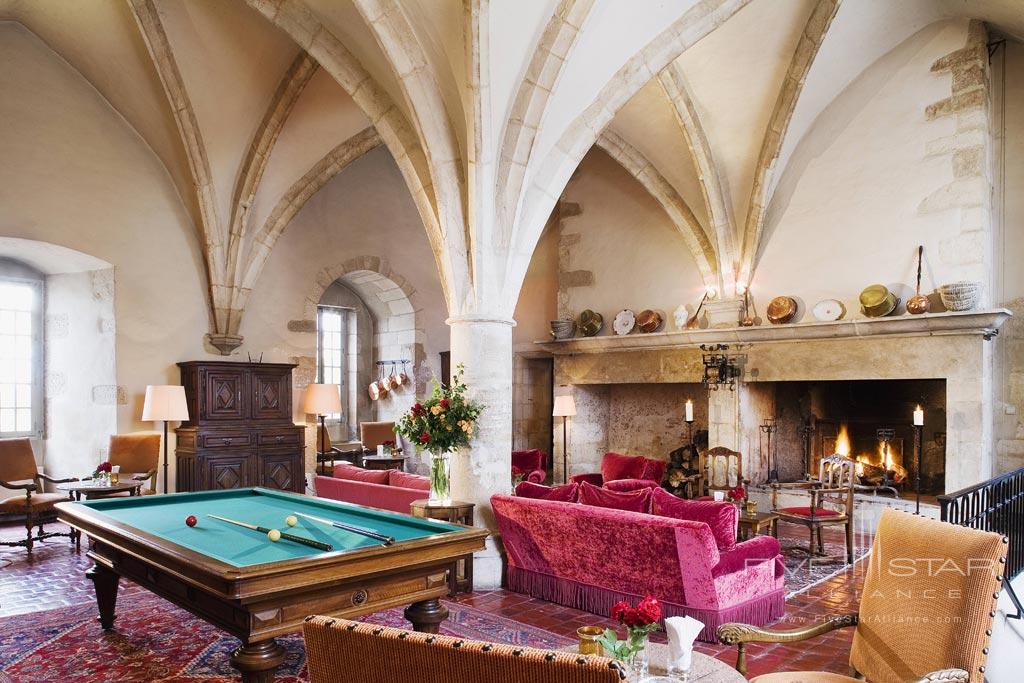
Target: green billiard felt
(164,516)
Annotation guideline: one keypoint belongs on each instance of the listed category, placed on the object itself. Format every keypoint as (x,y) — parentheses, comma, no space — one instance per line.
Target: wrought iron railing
(994,505)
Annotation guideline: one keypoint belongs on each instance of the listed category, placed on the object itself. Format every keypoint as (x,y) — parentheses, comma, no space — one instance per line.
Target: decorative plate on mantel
(828,310)
(624,322)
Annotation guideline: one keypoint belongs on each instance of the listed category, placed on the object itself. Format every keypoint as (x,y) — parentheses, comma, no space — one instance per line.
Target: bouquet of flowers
(639,621)
(737,494)
(441,424)
(103,468)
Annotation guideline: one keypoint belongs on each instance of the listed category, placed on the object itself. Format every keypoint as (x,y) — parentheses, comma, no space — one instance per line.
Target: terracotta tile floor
(55,576)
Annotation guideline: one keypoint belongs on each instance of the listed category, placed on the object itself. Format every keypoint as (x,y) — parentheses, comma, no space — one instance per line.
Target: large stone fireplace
(847,379)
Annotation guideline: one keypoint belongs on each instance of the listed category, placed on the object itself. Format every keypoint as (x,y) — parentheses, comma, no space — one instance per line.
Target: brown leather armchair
(21,491)
(138,455)
(926,608)
(372,434)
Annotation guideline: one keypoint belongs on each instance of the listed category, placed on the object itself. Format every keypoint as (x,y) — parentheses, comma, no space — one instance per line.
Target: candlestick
(918,428)
(918,417)
(689,410)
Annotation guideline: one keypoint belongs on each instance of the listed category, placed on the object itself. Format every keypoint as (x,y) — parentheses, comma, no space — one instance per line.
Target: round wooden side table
(460,576)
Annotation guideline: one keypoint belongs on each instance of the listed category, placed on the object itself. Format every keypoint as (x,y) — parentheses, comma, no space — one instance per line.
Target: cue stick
(386,540)
(288,537)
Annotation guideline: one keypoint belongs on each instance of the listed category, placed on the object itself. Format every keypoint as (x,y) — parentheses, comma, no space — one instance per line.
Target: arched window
(21,350)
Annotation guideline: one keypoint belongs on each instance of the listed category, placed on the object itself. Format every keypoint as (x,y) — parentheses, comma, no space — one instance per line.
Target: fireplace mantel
(984,323)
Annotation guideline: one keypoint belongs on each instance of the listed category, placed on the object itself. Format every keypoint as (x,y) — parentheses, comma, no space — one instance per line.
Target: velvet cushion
(353,473)
(529,460)
(631,484)
(806,512)
(721,517)
(654,469)
(406,480)
(632,501)
(566,493)
(618,466)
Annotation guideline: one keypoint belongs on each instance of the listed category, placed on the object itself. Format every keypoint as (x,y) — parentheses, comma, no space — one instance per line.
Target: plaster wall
(75,174)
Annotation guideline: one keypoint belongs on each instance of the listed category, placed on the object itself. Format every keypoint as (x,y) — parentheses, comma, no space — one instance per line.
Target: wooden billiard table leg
(258,661)
(105,582)
(427,615)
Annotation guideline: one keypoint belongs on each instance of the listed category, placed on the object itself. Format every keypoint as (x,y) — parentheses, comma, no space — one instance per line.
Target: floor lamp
(322,400)
(565,407)
(165,403)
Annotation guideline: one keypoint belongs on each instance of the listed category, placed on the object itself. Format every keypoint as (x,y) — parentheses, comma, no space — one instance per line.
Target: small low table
(703,669)
(456,512)
(384,462)
(751,525)
(90,489)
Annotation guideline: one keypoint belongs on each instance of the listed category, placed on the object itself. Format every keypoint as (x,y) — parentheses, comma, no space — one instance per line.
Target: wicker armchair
(340,650)
(925,613)
(18,473)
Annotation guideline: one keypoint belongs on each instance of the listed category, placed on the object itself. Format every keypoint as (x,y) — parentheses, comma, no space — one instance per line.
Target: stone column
(484,345)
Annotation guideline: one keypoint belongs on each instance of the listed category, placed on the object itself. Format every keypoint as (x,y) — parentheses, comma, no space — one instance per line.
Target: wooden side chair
(724,469)
(138,456)
(926,609)
(18,473)
(831,505)
(340,650)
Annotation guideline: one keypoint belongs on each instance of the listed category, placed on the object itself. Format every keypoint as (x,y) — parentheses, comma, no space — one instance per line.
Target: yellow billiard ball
(274,535)
(291,520)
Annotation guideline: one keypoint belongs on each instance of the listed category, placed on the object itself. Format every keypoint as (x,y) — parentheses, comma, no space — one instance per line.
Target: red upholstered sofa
(531,463)
(590,557)
(385,489)
(618,467)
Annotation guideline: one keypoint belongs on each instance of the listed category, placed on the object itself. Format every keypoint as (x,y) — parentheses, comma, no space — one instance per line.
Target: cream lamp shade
(166,403)
(565,406)
(322,399)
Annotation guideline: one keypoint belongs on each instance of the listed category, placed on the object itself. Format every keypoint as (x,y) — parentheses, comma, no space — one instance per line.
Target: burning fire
(844,448)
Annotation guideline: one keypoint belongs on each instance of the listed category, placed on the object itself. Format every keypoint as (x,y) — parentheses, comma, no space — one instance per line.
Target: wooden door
(223,394)
(272,395)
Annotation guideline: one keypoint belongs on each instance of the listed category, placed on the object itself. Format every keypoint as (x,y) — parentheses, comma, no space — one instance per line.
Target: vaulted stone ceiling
(487,107)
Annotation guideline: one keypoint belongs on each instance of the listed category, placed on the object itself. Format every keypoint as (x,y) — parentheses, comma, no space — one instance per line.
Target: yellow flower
(436,410)
(466,426)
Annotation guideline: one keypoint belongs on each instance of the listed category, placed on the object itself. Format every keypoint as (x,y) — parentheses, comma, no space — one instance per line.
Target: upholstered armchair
(21,491)
(925,613)
(138,456)
(373,434)
(531,463)
(831,504)
(327,453)
(615,467)
(340,650)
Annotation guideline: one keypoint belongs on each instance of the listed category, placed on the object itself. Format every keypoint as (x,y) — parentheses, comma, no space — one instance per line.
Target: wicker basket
(960,296)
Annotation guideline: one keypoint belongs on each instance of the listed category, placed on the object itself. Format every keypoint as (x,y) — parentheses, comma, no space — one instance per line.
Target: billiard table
(255,589)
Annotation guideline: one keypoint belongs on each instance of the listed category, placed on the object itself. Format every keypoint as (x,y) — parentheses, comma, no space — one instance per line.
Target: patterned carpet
(156,641)
(801,575)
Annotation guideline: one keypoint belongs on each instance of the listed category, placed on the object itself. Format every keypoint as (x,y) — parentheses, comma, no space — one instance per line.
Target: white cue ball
(291,520)
(274,535)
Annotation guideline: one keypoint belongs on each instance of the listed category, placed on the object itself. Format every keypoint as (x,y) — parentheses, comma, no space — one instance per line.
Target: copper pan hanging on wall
(781,310)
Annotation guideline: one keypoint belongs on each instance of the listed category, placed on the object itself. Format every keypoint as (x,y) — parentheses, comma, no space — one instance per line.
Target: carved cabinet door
(224,395)
(281,471)
(272,396)
(227,472)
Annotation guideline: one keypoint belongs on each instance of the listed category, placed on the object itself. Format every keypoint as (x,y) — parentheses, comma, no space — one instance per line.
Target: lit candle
(689,410)
(918,417)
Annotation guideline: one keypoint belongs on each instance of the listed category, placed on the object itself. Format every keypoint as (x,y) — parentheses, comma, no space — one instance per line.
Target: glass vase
(440,478)
(638,664)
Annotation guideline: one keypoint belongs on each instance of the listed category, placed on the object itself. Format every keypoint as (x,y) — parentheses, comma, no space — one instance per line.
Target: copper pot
(649,321)
(781,310)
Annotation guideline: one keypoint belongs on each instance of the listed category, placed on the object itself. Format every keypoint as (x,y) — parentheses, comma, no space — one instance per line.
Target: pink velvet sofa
(590,557)
(385,489)
(531,463)
(630,471)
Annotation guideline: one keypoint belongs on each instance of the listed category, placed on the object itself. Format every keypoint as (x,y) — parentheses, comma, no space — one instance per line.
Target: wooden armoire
(241,432)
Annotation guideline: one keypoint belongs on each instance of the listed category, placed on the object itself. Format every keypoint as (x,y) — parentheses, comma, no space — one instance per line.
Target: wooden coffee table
(751,525)
(90,489)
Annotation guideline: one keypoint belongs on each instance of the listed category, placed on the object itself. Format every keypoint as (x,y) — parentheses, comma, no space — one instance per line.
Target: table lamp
(322,400)
(565,407)
(165,403)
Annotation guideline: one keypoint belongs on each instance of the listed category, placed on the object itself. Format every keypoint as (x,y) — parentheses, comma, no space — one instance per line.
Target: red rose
(444,403)
(103,467)
(424,438)
(417,409)
(619,609)
(649,609)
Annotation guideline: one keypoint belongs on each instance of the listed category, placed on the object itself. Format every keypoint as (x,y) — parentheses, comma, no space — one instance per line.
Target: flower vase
(638,663)
(440,478)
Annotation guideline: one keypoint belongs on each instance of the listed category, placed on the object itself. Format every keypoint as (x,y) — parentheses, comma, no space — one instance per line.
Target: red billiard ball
(191,520)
